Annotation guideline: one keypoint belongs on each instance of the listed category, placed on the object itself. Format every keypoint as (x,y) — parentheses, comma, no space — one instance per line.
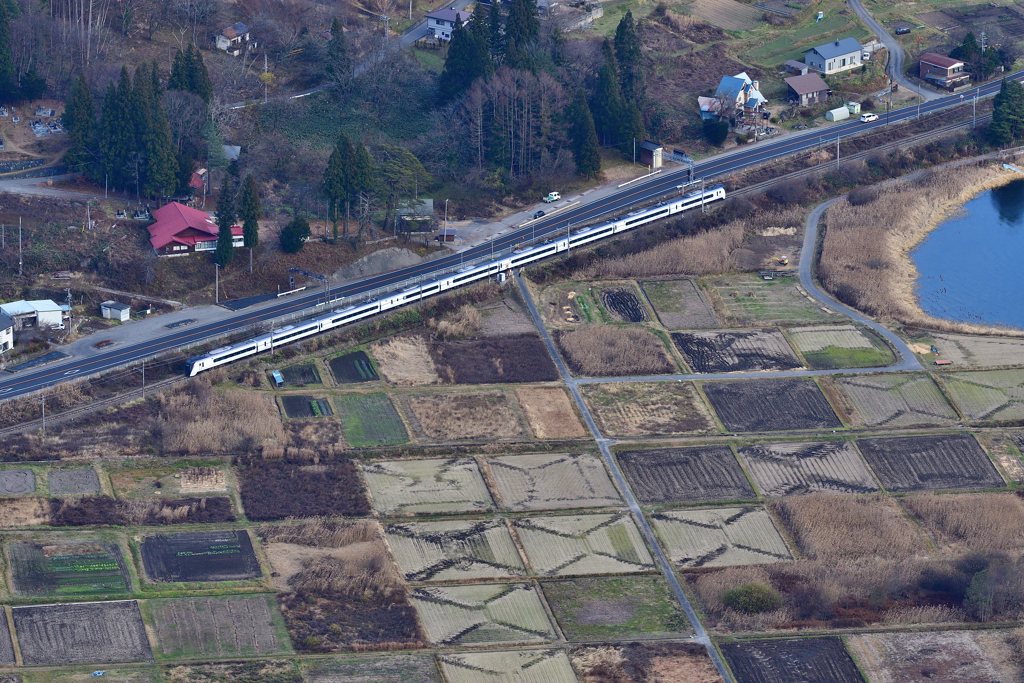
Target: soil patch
(306,406)
(783,469)
(770,405)
(504,318)
(962,656)
(17,482)
(685,475)
(395,668)
(645,663)
(379,261)
(353,368)
(550,414)
(405,361)
(203,556)
(300,375)
(936,462)
(480,415)
(679,305)
(728,351)
(623,304)
(493,360)
(72,482)
(91,632)
(7,649)
(24,512)
(650,409)
(282,489)
(806,660)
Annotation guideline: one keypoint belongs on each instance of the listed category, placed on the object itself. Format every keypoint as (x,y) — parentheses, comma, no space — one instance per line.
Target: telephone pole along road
(659,186)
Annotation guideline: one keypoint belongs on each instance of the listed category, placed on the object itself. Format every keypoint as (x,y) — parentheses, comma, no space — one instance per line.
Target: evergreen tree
(225,219)
(607,106)
(140,113)
(631,132)
(1008,114)
(467,60)
(250,210)
(79,120)
(154,80)
(630,58)
(8,85)
(32,86)
(716,131)
(161,163)
(294,235)
(335,182)
(200,77)
(339,61)
(496,37)
(523,23)
(188,72)
(584,138)
(116,134)
(360,179)
(180,71)
(481,42)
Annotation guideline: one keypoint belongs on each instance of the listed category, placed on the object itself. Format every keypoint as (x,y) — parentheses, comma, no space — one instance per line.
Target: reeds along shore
(868,236)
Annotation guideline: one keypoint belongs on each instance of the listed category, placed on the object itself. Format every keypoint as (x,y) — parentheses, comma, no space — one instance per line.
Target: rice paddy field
(840,346)
(973,351)
(736,351)
(583,544)
(637,409)
(534,666)
(993,395)
(454,551)
(482,614)
(549,482)
(782,469)
(935,462)
(427,486)
(720,537)
(892,400)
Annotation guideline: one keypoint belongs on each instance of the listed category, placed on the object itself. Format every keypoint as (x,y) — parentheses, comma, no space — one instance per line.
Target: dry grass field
(609,351)
(505,317)
(719,537)
(540,666)
(200,419)
(549,413)
(477,415)
(405,361)
(483,613)
(358,668)
(19,512)
(644,663)
(735,351)
(549,482)
(454,551)
(961,656)
(583,544)
(633,409)
(727,14)
(892,400)
(679,305)
(988,395)
(980,522)
(426,486)
(783,469)
(971,351)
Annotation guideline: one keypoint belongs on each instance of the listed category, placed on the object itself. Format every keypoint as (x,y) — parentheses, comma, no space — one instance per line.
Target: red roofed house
(945,72)
(180,230)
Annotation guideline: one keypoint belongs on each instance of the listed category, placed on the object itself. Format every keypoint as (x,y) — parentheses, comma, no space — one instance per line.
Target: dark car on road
(539,214)
(902,30)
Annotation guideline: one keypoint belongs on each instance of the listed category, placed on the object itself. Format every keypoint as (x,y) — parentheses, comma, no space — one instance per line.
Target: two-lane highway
(659,186)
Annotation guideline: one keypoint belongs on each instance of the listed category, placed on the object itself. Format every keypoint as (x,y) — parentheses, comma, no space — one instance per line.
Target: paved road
(660,186)
(897,56)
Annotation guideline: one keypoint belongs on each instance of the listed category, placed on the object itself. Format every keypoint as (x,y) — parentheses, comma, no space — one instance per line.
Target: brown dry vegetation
(979,522)
(610,351)
(471,415)
(635,409)
(15,512)
(405,361)
(644,663)
(549,413)
(865,258)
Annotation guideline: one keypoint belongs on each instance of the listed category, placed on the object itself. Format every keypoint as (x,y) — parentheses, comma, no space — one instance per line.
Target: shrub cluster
(104,510)
(297,487)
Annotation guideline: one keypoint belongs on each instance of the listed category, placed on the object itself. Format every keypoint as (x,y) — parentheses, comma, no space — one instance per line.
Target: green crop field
(748,300)
(67,569)
(370,420)
(840,346)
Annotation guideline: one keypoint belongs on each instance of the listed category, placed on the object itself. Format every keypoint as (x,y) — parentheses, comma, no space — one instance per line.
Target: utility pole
(634,151)
(3,237)
(216,284)
(410,10)
(446,219)
(568,226)
(975,107)
(19,245)
(837,150)
(264,79)
(43,399)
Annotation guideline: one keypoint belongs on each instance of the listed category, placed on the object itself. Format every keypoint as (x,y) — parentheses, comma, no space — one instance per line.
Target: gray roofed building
(839,55)
(6,332)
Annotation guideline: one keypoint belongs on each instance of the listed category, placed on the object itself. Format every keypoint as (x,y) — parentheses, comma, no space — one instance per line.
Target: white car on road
(868,118)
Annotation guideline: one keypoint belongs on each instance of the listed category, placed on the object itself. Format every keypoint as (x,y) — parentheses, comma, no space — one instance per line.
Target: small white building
(42,314)
(115,310)
(6,333)
(441,23)
(837,114)
(233,39)
(839,55)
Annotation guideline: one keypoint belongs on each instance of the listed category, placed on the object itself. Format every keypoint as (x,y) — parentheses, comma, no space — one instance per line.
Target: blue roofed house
(740,90)
(839,55)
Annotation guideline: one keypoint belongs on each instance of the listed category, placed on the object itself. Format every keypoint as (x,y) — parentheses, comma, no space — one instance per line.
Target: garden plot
(405,361)
(6,646)
(370,420)
(782,469)
(17,482)
(306,406)
(938,462)
(488,613)
(747,300)
(452,551)
(300,375)
(549,413)
(679,305)
(225,555)
(89,632)
(583,544)
(478,415)
(685,475)
(493,360)
(803,660)
(623,304)
(720,537)
(144,478)
(991,395)
(534,666)
(395,668)
(615,607)
(735,351)
(840,346)
(962,656)
(770,405)
(632,409)
(548,482)
(894,400)
(70,568)
(965,350)
(727,14)
(645,663)
(218,627)
(567,305)
(427,486)
(72,482)
(353,368)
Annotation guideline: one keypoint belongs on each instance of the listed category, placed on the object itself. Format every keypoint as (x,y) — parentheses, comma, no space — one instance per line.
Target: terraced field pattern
(548,482)
(478,614)
(987,395)
(427,486)
(218,626)
(685,475)
(782,469)
(840,346)
(66,569)
(933,462)
(584,544)
(370,420)
(534,666)
(770,405)
(736,350)
(719,537)
(456,550)
(895,400)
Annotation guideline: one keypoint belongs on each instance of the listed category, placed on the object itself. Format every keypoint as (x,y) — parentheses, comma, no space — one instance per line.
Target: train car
(462,277)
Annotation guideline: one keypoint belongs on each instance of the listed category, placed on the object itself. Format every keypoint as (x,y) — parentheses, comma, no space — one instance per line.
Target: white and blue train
(465,276)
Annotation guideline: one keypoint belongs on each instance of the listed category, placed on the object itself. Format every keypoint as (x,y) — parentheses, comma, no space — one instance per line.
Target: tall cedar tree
(585,150)
(339,61)
(225,219)
(360,179)
(630,57)
(631,133)
(336,178)
(8,86)
(1008,114)
(79,120)
(523,24)
(294,235)
(156,163)
(250,210)
(189,73)
(481,42)
(496,38)
(607,105)
(141,116)
(467,61)
(116,141)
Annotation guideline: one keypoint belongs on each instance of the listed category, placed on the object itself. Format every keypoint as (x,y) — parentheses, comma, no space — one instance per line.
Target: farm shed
(6,332)
(710,107)
(854,108)
(795,67)
(115,310)
(42,314)
(807,89)
(446,235)
(837,114)
(839,55)
(650,154)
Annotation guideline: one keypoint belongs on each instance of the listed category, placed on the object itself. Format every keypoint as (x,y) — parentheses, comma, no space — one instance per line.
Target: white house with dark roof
(6,333)
(441,23)
(839,55)
(233,39)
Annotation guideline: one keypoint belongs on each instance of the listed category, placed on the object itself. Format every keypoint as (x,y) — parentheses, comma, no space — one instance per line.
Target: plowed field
(493,360)
(306,406)
(352,368)
(203,556)
(17,482)
(685,475)
(991,395)
(535,666)
(624,304)
(6,647)
(584,544)
(65,569)
(488,613)
(770,405)
(782,469)
(647,409)
(921,463)
(894,400)
(804,660)
(82,633)
(736,351)
(72,482)
(720,537)
(453,551)
(427,486)
(218,627)
(548,482)
(395,668)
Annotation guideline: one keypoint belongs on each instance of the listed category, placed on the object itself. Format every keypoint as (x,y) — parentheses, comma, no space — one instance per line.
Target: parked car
(552,197)
(539,214)
(868,118)
(903,30)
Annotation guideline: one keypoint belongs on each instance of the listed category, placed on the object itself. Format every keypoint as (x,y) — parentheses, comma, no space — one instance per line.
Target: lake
(970,266)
